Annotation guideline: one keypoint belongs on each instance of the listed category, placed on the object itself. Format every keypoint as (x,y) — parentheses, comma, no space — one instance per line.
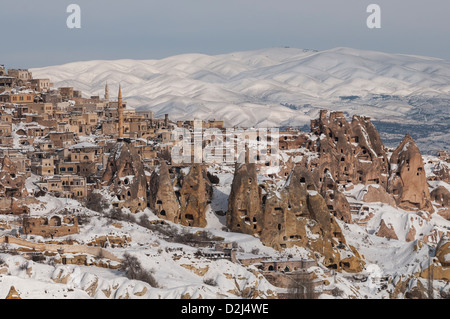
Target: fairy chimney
(125,177)
(407,180)
(162,197)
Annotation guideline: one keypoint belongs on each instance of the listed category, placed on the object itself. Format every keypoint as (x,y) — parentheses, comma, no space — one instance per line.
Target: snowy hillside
(179,272)
(273,87)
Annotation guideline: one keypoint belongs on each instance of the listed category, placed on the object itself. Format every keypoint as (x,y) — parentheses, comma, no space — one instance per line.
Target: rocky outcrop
(180,195)
(352,153)
(125,177)
(244,202)
(162,198)
(443,251)
(378,194)
(407,182)
(294,215)
(441,196)
(336,201)
(386,231)
(440,268)
(13,294)
(195,195)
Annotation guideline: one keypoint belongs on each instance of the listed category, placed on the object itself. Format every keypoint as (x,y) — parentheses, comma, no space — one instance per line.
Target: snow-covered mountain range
(274,87)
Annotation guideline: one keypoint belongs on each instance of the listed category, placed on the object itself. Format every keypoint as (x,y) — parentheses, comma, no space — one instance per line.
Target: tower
(106,92)
(120,113)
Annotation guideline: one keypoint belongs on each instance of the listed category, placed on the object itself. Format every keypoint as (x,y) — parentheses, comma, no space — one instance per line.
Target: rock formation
(195,195)
(295,215)
(125,177)
(441,195)
(336,201)
(162,198)
(13,294)
(352,153)
(407,181)
(386,231)
(374,193)
(244,202)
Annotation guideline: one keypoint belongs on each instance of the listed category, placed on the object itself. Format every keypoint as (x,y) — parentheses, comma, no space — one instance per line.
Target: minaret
(106,92)
(120,113)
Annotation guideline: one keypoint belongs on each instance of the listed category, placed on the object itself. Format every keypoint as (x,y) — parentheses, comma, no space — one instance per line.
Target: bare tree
(133,270)
(96,202)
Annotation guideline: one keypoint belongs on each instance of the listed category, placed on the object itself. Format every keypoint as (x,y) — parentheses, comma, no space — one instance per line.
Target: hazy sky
(34,33)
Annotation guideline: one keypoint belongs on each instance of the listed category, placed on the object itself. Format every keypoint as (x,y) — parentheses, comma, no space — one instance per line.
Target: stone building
(287,265)
(21,74)
(55,226)
(67,186)
(41,85)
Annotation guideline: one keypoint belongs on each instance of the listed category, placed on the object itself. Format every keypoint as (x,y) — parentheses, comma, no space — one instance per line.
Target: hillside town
(288,188)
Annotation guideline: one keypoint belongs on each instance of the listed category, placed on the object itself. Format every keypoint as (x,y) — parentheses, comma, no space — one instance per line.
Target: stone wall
(73,249)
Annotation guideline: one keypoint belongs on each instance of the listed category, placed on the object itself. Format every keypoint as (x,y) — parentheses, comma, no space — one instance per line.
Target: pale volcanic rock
(445,213)
(443,251)
(386,231)
(162,198)
(294,215)
(336,201)
(441,195)
(411,235)
(195,195)
(13,294)
(244,202)
(125,176)
(352,153)
(407,181)
(378,194)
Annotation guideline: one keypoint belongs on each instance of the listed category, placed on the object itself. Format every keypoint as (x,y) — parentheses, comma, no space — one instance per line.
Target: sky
(35,33)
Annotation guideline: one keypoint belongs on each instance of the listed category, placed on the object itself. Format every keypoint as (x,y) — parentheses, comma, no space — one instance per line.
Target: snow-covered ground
(179,271)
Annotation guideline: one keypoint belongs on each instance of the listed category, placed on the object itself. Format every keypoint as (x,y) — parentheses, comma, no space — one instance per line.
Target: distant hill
(277,86)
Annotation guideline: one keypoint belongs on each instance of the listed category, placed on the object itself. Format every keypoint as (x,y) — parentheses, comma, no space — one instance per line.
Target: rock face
(352,153)
(441,195)
(244,202)
(443,251)
(297,215)
(378,194)
(294,215)
(195,195)
(185,200)
(12,188)
(407,182)
(386,231)
(336,201)
(162,198)
(13,294)
(125,177)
